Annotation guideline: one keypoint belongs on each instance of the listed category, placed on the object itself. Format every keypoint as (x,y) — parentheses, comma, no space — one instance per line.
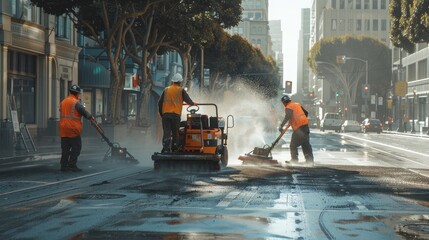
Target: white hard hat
(177,78)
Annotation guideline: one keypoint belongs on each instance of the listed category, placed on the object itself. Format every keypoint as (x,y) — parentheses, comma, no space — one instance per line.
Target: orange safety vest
(70,120)
(298,118)
(173,100)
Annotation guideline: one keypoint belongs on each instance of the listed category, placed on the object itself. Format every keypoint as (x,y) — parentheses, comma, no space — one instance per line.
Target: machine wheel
(224,157)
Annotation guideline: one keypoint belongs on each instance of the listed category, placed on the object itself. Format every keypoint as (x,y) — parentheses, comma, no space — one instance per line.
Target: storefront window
(22,84)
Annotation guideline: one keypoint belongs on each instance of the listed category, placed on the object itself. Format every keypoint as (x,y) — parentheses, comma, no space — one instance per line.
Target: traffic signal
(341,59)
(365,91)
(288,87)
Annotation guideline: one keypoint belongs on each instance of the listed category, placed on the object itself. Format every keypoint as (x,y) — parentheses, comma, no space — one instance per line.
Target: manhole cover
(417,230)
(422,228)
(98,196)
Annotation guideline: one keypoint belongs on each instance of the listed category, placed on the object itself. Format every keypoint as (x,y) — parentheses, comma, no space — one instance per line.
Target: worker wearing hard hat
(72,112)
(296,115)
(170,108)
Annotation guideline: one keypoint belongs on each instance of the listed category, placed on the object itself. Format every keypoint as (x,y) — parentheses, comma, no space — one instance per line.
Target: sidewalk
(47,148)
(408,133)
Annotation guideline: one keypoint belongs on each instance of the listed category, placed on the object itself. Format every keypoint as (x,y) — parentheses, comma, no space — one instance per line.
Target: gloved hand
(280,128)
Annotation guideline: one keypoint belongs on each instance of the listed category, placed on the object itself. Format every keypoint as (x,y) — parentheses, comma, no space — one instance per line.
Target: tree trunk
(145,92)
(114,94)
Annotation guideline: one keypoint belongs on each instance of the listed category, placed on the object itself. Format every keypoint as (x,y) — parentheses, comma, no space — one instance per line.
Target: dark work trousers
(70,151)
(301,137)
(170,126)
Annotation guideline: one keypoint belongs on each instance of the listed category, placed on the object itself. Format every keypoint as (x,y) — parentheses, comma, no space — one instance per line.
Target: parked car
(350,126)
(372,125)
(331,121)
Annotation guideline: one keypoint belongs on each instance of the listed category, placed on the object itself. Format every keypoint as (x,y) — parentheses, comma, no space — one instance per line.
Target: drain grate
(98,196)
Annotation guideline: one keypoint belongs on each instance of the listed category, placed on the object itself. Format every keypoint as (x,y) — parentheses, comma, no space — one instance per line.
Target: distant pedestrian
(389,122)
(72,110)
(296,115)
(405,121)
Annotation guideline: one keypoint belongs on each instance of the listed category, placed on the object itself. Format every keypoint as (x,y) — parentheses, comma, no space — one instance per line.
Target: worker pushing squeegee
(296,115)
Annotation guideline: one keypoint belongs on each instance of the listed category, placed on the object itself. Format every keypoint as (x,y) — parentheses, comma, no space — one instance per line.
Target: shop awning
(93,75)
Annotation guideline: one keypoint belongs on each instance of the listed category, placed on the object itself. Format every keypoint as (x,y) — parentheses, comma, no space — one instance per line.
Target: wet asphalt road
(364,186)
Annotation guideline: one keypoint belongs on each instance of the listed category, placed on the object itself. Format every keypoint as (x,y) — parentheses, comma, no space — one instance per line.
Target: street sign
(15,122)
(401,88)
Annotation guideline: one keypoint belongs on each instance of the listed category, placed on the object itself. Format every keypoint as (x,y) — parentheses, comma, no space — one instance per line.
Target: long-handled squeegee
(116,152)
(262,155)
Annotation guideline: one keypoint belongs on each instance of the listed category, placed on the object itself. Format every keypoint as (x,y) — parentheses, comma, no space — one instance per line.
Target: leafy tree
(349,76)
(183,26)
(410,23)
(237,57)
(105,22)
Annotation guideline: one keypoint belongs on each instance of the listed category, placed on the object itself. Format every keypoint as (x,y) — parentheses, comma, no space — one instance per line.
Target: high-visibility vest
(173,100)
(70,119)
(298,118)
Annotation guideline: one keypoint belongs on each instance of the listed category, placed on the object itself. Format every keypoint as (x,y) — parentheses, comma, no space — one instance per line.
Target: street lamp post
(366,78)
(413,130)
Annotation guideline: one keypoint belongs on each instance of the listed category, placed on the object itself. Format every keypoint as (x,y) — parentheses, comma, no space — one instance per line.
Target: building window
(342,24)
(160,62)
(23,72)
(383,24)
(250,15)
(350,4)
(422,68)
(342,4)
(383,4)
(375,4)
(367,25)
(358,4)
(334,4)
(358,25)
(63,27)
(375,24)
(366,6)
(333,24)
(350,24)
(258,16)
(412,72)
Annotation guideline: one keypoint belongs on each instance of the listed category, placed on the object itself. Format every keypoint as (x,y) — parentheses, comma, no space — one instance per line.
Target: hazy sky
(289,12)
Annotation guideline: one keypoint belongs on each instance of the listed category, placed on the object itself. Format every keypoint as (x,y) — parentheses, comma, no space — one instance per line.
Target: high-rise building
(339,17)
(254,24)
(277,45)
(303,84)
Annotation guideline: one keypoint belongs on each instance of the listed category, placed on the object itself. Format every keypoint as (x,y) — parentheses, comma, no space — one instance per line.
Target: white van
(331,121)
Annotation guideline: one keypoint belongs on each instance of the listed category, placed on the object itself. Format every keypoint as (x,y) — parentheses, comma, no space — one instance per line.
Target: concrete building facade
(254,24)
(277,46)
(339,17)
(38,62)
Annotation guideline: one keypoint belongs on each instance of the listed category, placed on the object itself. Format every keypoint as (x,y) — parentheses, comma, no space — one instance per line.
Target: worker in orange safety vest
(170,108)
(72,110)
(296,115)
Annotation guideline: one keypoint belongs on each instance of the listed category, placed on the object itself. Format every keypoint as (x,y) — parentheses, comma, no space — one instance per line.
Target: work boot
(292,161)
(64,169)
(165,150)
(174,148)
(309,163)
(75,169)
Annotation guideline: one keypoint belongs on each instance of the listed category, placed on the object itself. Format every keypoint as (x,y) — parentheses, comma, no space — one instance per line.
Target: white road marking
(390,146)
(228,199)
